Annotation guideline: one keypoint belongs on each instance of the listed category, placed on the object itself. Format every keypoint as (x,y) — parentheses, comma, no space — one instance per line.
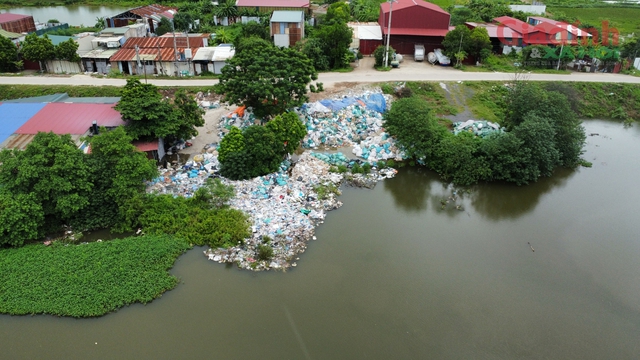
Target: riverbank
(89,279)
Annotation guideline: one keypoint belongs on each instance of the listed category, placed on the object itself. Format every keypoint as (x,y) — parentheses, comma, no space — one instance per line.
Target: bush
(379,52)
(391,163)
(381,164)
(366,168)
(265,252)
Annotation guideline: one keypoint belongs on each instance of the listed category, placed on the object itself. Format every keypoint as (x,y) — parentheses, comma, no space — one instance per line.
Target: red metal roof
(146,145)
(415,32)
(497,31)
(164,42)
(166,54)
(153,9)
(274,3)
(515,24)
(403,4)
(75,119)
(8,17)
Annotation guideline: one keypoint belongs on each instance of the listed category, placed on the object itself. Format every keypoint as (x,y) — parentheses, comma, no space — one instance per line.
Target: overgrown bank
(10,92)
(59,279)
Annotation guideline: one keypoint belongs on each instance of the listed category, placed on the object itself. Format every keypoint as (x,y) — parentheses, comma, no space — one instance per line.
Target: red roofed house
(548,32)
(157,55)
(414,22)
(269,6)
(17,23)
(150,15)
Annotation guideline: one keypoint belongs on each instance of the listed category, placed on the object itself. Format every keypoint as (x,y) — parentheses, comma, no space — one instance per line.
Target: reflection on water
(74,15)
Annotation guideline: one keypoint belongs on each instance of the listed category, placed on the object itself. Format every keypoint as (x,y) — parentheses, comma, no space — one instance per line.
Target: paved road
(409,71)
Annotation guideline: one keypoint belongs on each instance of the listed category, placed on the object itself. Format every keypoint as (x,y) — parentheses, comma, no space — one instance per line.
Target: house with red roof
(413,22)
(542,31)
(149,15)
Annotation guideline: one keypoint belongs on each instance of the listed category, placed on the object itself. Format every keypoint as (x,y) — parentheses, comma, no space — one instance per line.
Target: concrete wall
(636,63)
(63,67)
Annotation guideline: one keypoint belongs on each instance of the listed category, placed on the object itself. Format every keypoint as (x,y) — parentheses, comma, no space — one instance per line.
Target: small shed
(17,23)
(98,60)
(366,37)
(212,59)
(287,27)
(14,37)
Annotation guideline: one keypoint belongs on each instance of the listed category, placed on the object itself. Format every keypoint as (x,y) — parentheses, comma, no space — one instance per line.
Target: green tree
(457,158)
(118,173)
(508,157)
(233,142)
(226,9)
(21,218)
(256,29)
(164,26)
(182,21)
(214,194)
(187,116)
(487,10)
(266,78)
(480,44)
(313,49)
(538,135)
(460,15)
(338,12)
(39,49)
(8,55)
(458,39)
(150,116)
(365,10)
(54,170)
(336,38)
(288,130)
(67,50)
(100,22)
(630,49)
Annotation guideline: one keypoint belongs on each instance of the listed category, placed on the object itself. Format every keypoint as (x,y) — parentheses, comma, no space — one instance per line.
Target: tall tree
(150,116)
(67,50)
(39,49)
(480,44)
(338,12)
(289,131)
(336,38)
(54,170)
(8,55)
(182,21)
(164,26)
(458,39)
(266,78)
(118,173)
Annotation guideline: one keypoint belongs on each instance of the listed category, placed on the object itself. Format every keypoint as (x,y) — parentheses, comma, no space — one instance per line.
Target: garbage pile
(342,121)
(184,180)
(286,208)
(240,117)
(478,128)
(378,147)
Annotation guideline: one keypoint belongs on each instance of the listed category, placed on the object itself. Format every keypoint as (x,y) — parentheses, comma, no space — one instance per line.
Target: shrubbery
(259,150)
(544,133)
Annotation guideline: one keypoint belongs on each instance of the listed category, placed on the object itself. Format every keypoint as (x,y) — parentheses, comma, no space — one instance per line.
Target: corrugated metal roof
(57,39)
(403,4)
(274,3)
(223,53)
(287,16)
(115,30)
(10,35)
(131,43)
(166,54)
(100,54)
(416,32)
(63,118)
(366,31)
(497,31)
(15,115)
(9,17)
(515,24)
(204,54)
(153,9)
(40,99)
(92,100)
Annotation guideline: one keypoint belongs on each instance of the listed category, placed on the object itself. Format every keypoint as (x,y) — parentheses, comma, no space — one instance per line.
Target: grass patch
(9,92)
(87,280)
(382,68)
(434,95)
(625,19)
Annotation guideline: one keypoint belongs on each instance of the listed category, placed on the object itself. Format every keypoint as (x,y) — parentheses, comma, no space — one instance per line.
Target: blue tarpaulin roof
(13,116)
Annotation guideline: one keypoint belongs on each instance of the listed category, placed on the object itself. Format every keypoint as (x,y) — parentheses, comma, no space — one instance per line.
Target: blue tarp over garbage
(373,102)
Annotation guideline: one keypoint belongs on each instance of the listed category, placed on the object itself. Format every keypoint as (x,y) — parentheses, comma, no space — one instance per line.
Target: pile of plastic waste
(342,121)
(477,127)
(378,147)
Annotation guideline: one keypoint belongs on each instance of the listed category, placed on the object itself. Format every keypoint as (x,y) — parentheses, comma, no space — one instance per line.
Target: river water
(393,276)
(74,15)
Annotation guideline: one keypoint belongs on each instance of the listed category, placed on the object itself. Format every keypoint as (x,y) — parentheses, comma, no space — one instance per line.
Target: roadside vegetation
(9,92)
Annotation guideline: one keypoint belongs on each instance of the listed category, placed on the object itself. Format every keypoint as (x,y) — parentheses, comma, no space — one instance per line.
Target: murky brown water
(392,276)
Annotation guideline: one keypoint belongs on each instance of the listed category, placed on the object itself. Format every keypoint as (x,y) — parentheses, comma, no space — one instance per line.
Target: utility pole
(141,64)
(386,53)
(159,61)
(560,57)
(175,49)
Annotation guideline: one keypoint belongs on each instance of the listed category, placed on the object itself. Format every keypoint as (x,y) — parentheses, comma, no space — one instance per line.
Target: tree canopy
(266,78)
(474,42)
(150,116)
(164,26)
(39,49)
(67,50)
(8,55)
